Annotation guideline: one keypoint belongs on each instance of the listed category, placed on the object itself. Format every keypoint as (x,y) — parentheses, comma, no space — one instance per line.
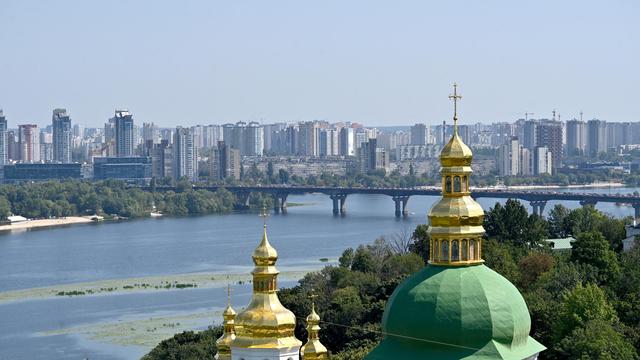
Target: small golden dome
(313,349)
(456,152)
(229,312)
(265,254)
(313,317)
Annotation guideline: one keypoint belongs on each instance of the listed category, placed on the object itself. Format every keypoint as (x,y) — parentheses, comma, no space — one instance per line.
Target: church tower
(229,335)
(265,328)
(456,307)
(313,349)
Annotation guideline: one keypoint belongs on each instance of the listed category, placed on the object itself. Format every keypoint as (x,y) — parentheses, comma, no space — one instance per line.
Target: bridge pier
(538,206)
(339,203)
(243,198)
(401,205)
(280,202)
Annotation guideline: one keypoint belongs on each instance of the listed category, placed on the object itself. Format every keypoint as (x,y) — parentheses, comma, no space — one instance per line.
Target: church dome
(467,312)
(456,153)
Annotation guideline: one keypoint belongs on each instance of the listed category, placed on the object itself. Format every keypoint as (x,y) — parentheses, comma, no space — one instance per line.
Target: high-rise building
(549,135)
(596,137)
(150,132)
(185,162)
(576,137)
(4,140)
(253,139)
(308,138)
(124,133)
(419,134)
(529,134)
(347,142)
(371,157)
(542,161)
(13,146)
(29,143)
(329,142)
(62,136)
(161,160)
(224,162)
(509,158)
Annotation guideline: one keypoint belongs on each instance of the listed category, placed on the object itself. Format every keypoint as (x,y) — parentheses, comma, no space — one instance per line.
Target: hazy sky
(380,63)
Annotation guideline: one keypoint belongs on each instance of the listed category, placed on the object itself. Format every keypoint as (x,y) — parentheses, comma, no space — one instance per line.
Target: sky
(374,62)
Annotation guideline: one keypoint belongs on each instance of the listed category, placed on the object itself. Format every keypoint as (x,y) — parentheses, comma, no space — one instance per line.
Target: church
(454,308)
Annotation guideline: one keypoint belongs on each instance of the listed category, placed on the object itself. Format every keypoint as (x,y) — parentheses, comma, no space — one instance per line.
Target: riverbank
(44,223)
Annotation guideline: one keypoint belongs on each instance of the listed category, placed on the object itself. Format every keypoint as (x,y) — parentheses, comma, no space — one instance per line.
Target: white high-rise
(185,163)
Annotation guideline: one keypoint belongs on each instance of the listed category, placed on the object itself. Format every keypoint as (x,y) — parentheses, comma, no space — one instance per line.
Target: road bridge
(400,196)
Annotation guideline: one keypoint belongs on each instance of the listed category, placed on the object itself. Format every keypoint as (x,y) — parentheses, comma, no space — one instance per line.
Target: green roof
(447,313)
(561,244)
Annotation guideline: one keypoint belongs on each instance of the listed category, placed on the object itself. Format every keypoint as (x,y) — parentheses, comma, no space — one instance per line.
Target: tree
(512,223)
(363,260)
(532,266)
(597,339)
(498,257)
(284,176)
(187,345)
(558,221)
(5,208)
(583,304)
(420,244)
(591,248)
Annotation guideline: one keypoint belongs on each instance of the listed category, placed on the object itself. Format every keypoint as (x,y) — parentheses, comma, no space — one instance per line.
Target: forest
(584,303)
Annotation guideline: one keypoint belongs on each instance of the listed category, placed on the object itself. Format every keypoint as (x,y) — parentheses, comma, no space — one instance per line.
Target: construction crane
(526,116)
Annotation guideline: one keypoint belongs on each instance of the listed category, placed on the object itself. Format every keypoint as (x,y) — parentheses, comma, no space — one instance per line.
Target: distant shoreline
(534,187)
(44,223)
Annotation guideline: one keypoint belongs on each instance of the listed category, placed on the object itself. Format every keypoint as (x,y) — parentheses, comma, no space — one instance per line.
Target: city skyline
(330,61)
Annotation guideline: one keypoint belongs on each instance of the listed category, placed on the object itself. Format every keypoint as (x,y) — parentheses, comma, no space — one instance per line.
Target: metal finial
(228,291)
(313,296)
(455,97)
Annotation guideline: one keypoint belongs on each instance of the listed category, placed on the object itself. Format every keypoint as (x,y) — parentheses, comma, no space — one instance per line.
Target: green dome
(468,312)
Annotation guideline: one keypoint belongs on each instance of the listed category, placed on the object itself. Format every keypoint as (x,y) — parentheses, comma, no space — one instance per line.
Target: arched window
(465,250)
(444,254)
(455,249)
(457,187)
(447,184)
(465,184)
(472,249)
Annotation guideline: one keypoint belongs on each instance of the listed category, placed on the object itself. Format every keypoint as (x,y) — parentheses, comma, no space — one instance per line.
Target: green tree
(187,345)
(591,248)
(558,227)
(363,260)
(597,339)
(583,304)
(5,208)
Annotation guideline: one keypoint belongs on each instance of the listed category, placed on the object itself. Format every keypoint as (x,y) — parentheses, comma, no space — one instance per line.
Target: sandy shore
(145,284)
(32,224)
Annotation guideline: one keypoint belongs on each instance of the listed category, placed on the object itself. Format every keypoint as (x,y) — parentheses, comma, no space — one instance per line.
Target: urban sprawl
(124,150)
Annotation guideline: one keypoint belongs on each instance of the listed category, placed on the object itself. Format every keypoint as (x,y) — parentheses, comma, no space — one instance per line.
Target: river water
(169,246)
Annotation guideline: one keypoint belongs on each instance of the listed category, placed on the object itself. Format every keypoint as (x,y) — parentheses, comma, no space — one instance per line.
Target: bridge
(400,196)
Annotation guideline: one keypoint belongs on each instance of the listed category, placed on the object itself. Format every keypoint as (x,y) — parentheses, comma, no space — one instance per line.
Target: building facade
(124,133)
(62,136)
(29,143)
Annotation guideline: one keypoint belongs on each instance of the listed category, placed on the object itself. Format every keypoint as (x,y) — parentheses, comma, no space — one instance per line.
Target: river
(123,325)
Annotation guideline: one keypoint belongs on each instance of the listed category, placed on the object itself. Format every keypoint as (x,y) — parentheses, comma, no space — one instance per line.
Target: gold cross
(313,296)
(264,214)
(455,97)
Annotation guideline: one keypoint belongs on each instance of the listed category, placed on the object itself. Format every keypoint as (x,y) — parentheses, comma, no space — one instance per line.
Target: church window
(465,250)
(448,184)
(457,187)
(472,250)
(444,256)
(455,250)
(465,184)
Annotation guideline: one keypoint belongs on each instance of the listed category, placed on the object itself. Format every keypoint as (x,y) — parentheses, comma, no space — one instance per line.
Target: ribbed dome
(456,153)
(456,211)
(468,312)
(264,254)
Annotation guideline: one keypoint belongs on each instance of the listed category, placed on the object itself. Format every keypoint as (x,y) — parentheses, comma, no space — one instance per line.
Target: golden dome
(313,349)
(456,152)
(229,312)
(265,323)
(264,254)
